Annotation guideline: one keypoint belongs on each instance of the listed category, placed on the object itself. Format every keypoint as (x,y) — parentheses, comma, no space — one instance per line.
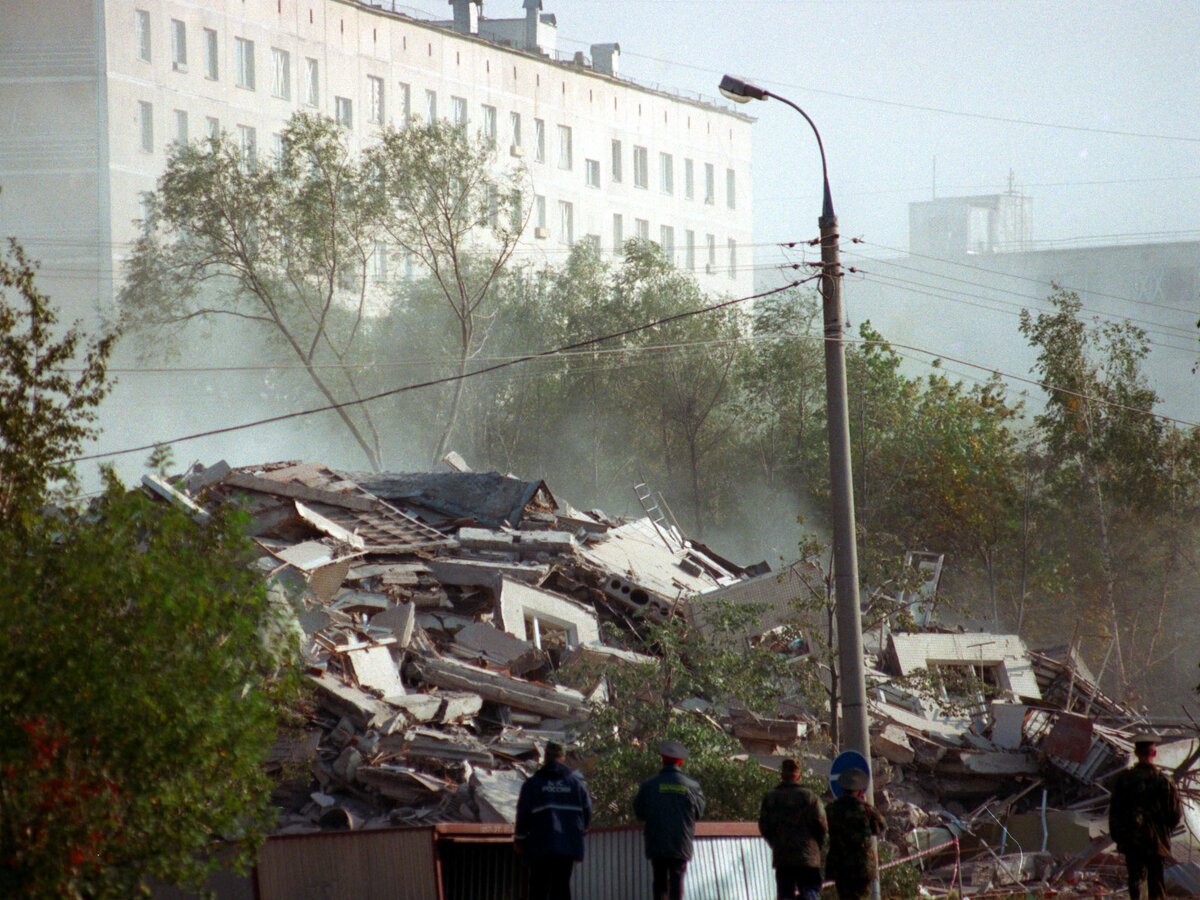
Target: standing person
(792,822)
(669,804)
(1142,812)
(554,810)
(853,822)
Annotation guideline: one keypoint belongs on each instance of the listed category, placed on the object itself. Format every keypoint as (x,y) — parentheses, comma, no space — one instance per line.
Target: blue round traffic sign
(847,759)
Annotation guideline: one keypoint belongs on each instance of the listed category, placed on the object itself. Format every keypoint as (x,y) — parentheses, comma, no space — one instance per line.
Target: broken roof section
(489,498)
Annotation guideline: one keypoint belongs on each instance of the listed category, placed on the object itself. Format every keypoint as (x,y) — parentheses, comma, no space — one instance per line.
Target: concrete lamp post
(854,734)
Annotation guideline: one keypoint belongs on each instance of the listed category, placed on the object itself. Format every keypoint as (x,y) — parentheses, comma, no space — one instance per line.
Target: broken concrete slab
(329,527)
(495,795)
(484,573)
(1008,724)
(343,700)
(521,544)
(417,707)
(499,688)
(374,667)
(400,619)
(442,747)
(401,783)
(488,640)
(892,743)
(457,706)
(526,612)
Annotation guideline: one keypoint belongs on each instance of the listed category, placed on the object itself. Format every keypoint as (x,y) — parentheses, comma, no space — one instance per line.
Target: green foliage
(620,741)
(137,698)
(46,412)
(900,882)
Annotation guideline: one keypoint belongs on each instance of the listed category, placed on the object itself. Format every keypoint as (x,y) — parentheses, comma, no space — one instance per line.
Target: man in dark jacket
(669,804)
(554,810)
(853,823)
(1143,811)
(792,821)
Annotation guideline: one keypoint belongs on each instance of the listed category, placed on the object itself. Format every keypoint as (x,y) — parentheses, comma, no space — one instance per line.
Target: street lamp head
(740,91)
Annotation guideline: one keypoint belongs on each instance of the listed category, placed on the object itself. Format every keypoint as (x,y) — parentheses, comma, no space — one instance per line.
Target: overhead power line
(446,380)
(940,110)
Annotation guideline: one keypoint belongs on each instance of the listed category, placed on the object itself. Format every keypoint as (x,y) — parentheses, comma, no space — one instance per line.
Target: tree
(1108,448)
(621,737)
(138,685)
(46,412)
(445,203)
(283,249)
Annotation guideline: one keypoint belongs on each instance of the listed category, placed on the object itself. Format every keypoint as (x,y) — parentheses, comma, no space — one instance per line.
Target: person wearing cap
(669,804)
(1143,811)
(792,821)
(554,810)
(853,823)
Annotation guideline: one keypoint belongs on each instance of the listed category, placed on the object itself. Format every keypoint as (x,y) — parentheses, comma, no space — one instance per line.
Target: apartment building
(94,94)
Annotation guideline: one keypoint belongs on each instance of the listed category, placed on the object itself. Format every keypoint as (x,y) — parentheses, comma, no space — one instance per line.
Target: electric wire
(1173,331)
(438,381)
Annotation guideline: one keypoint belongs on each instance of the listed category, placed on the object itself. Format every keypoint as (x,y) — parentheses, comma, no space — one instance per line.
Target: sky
(859,68)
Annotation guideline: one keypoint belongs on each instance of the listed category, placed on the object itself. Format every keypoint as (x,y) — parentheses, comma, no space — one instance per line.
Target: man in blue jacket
(553,812)
(669,804)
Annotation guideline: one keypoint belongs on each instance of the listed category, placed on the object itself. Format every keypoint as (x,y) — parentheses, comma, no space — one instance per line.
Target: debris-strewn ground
(433,609)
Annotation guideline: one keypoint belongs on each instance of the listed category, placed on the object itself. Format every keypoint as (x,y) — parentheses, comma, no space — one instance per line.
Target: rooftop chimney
(533,10)
(606,58)
(466,15)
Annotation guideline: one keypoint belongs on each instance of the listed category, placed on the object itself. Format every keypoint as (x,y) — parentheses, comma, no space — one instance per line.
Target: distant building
(94,94)
(992,223)
(973,265)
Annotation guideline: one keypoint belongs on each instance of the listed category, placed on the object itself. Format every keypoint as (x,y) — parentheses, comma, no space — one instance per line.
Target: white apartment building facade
(94,93)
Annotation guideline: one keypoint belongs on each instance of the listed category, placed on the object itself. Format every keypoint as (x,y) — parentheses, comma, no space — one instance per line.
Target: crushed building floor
(451,625)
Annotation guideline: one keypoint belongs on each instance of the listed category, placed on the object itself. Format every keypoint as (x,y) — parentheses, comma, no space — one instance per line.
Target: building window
(618,234)
(212,69)
(710,243)
(689,180)
(178,46)
(405,103)
(514,122)
(732,244)
(666,173)
(489,124)
(431,106)
(278,150)
(379,262)
(566,222)
(312,82)
(214,127)
(710,184)
(593,173)
(248,145)
(344,111)
(281,74)
(539,141)
(666,240)
(458,108)
(375,100)
(141,28)
(642,228)
(689,244)
(244,54)
(539,213)
(641,168)
(565,160)
(181,126)
(730,188)
(146,124)
(616,162)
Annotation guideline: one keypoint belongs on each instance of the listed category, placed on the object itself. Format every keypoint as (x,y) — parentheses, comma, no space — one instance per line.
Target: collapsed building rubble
(451,625)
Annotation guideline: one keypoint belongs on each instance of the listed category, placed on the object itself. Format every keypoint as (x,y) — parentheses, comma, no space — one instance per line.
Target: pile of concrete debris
(443,615)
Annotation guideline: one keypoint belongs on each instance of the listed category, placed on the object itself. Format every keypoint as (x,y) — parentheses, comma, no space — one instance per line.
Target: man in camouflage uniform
(853,822)
(792,821)
(1143,811)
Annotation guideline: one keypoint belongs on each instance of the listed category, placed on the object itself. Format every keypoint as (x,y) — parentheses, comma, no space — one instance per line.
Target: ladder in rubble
(654,505)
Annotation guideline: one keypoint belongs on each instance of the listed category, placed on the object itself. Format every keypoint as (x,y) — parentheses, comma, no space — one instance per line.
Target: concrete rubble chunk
(499,646)
(374,668)
(343,700)
(457,706)
(495,795)
(892,743)
(400,620)
(500,688)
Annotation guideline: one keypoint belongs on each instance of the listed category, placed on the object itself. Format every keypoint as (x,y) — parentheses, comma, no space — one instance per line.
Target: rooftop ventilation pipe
(533,9)
(466,15)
